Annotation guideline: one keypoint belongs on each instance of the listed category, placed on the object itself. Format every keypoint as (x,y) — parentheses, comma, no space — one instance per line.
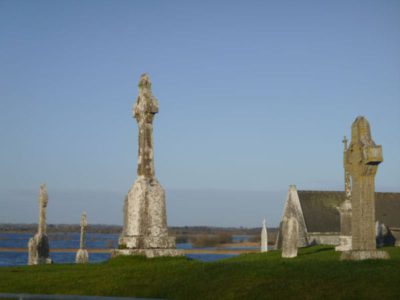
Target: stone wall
(324,238)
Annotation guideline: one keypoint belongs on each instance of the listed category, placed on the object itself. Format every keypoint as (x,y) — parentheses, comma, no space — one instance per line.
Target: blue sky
(254,96)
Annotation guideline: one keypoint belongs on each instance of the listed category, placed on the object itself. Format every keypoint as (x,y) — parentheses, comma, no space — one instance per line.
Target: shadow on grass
(313,250)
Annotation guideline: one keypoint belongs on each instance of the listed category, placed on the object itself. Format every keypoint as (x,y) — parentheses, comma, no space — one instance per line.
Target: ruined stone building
(319,218)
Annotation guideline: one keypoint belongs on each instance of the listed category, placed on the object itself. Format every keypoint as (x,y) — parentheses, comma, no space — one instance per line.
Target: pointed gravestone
(145,230)
(361,160)
(82,256)
(38,246)
(264,238)
(290,235)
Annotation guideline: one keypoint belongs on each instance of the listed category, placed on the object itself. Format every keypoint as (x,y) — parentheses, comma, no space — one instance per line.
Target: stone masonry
(361,160)
(38,246)
(145,230)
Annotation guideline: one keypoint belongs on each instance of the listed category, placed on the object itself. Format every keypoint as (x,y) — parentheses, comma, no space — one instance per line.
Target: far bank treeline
(200,235)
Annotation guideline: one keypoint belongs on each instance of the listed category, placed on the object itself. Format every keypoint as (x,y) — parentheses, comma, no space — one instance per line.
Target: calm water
(71,240)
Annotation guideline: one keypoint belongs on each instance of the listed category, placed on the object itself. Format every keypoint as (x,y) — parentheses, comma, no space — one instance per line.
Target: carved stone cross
(145,108)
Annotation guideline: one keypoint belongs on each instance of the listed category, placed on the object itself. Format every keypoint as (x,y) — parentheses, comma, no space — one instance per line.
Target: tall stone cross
(38,245)
(144,109)
(145,230)
(361,160)
(82,256)
(347,182)
(43,200)
(84,224)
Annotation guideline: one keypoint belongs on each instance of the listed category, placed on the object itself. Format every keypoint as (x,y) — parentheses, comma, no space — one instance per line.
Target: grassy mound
(316,273)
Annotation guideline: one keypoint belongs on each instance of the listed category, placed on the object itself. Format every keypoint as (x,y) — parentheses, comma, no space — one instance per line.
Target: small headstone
(290,232)
(264,238)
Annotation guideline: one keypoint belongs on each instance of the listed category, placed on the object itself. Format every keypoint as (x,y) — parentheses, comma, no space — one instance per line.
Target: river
(94,241)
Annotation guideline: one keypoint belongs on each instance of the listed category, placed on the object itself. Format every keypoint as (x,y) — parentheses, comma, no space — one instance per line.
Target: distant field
(316,273)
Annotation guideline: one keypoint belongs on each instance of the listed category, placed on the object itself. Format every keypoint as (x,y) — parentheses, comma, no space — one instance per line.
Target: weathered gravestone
(290,235)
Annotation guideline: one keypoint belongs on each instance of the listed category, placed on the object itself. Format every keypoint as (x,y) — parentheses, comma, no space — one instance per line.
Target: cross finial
(345,142)
(84,220)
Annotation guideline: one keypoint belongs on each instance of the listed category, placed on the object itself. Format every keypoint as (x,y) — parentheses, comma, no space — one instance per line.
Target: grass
(316,273)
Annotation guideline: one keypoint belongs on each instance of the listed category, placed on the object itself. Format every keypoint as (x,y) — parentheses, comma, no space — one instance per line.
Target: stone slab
(150,253)
(147,242)
(364,254)
(345,243)
(82,256)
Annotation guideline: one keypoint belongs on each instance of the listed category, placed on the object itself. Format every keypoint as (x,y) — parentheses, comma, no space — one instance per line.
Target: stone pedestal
(145,229)
(345,227)
(364,254)
(38,250)
(345,243)
(82,256)
(150,253)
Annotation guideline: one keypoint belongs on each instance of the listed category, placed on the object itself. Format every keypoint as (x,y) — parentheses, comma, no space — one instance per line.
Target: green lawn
(316,273)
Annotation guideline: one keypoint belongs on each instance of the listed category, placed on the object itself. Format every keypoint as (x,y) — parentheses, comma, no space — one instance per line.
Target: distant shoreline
(99,250)
(101,228)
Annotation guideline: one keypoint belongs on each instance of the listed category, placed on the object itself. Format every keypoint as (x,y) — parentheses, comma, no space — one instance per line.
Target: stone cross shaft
(82,244)
(361,161)
(347,181)
(43,200)
(145,108)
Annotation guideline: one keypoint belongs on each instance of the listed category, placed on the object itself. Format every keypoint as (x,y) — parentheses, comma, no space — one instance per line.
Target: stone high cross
(145,230)
(82,256)
(361,160)
(347,182)
(83,224)
(43,200)
(38,245)
(144,109)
